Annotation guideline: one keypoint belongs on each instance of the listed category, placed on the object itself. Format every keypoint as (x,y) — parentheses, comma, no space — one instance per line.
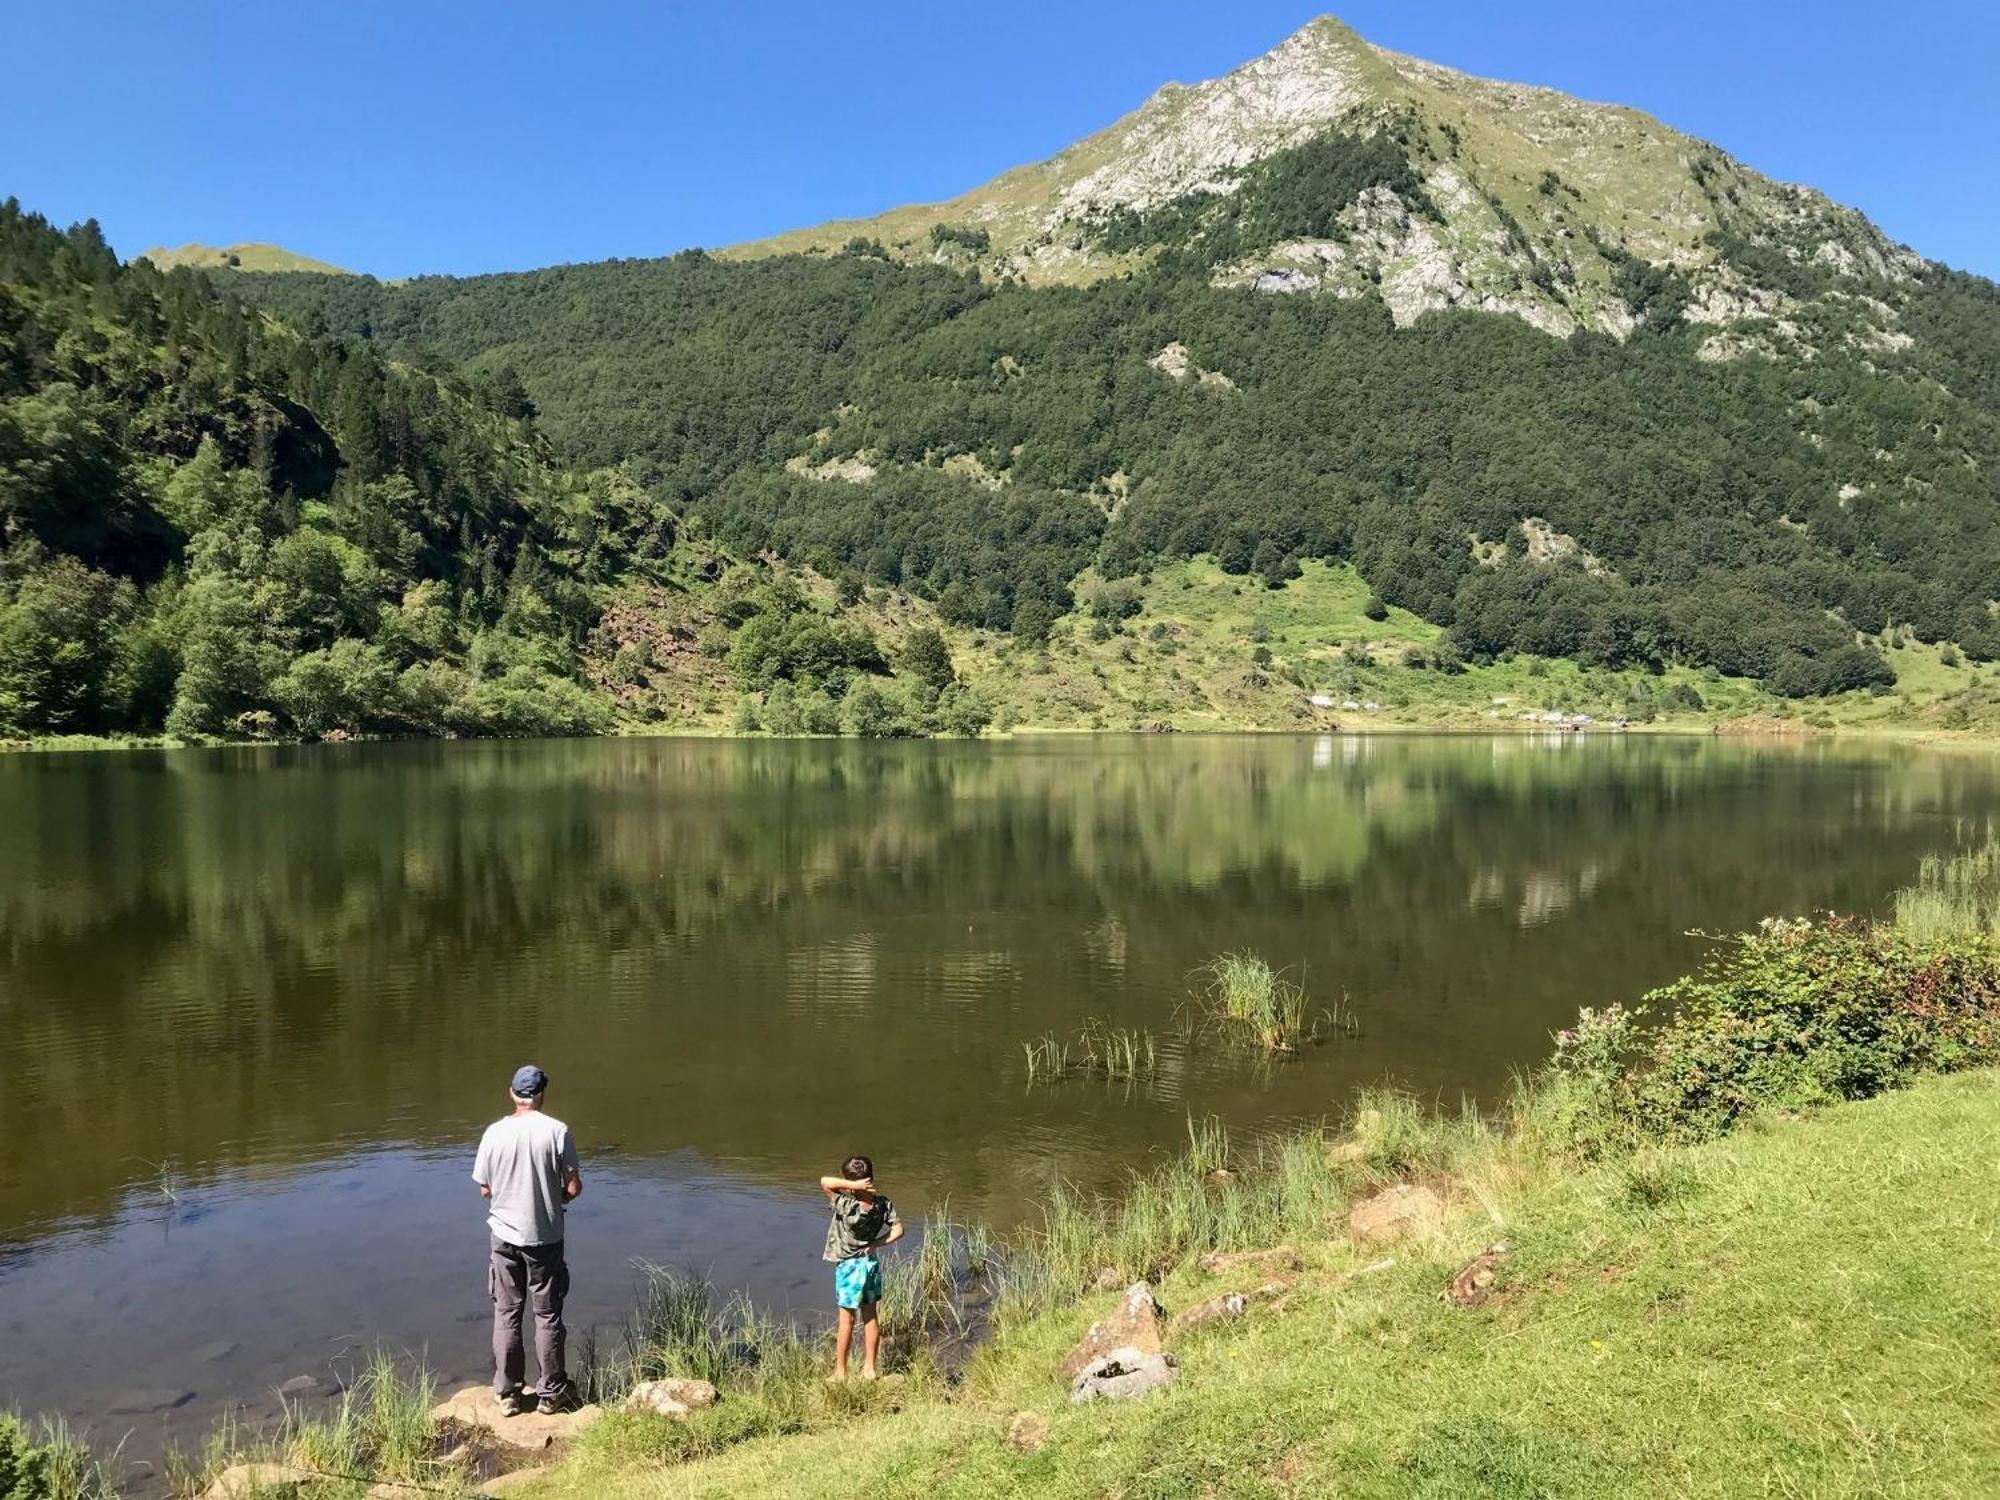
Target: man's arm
(572,1170)
(481,1173)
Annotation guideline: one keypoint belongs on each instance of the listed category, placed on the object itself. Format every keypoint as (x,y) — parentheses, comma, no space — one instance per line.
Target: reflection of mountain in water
(249,957)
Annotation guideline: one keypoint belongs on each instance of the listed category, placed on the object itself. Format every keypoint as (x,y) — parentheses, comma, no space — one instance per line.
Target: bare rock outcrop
(1393,1214)
(1136,1324)
(1124,1375)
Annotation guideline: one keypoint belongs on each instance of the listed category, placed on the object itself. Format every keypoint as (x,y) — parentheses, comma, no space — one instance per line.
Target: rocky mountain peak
(1329,166)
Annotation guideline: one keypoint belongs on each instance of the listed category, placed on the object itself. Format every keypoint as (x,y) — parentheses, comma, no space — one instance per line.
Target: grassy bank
(1715,1281)
(1805,1308)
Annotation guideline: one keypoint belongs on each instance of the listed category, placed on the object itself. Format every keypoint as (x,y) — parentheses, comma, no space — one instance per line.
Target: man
(527,1171)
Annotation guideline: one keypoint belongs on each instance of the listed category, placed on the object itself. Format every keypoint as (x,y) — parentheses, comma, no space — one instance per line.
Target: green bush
(49,1464)
(1793,1015)
(24,1468)
(525,704)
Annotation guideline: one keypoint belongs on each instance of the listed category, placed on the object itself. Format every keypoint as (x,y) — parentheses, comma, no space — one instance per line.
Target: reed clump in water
(1120,1053)
(1955,895)
(1241,992)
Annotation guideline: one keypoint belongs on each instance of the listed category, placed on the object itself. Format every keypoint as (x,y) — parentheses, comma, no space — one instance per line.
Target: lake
(257,1004)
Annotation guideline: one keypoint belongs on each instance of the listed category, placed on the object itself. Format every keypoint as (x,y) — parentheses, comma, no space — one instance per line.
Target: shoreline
(1740,730)
(1610,1113)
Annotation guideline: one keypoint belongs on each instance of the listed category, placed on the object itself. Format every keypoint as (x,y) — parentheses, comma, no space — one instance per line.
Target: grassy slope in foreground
(1807,1307)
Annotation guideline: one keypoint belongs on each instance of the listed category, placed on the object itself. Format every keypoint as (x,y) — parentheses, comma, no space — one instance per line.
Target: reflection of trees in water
(190,955)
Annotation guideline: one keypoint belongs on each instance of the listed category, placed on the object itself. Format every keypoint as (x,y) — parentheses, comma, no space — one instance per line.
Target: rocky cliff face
(1520,200)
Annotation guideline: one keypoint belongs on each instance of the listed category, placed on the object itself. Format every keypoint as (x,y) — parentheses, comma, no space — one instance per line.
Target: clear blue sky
(444,135)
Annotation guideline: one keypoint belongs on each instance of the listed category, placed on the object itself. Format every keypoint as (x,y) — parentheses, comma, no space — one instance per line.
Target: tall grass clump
(1119,1053)
(924,1295)
(1243,991)
(381,1429)
(1956,895)
(1047,1057)
(678,1327)
(1282,1188)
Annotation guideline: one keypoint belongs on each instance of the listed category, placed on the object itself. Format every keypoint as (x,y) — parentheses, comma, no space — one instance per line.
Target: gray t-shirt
(857,1224)
(523,1160)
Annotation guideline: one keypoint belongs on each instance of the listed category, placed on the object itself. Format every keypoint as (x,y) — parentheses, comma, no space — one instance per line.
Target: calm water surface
(256,1005)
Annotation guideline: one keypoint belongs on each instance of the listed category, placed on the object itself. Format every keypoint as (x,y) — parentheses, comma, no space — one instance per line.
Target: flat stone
(1221,1309)
(1027,1432)
(672,1397)
(301,1386)
(474,1406)
(1134,1324)
(1393,1214)
(1347,1153)
(241,1481)
(146,1403)
(1124,1375)
(1473,1282)
(1257,1262)
(217,1352)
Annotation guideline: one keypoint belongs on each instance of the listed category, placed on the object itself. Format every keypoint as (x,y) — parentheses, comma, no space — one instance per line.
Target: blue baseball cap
(529,1081)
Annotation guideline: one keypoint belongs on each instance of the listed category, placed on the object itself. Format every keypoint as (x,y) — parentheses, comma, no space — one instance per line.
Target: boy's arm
(895,1233)
(832,1185)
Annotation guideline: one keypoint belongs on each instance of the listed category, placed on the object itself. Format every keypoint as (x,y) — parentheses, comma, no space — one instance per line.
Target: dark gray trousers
(519,1276)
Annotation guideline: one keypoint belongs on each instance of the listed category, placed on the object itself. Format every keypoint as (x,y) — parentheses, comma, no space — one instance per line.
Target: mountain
(1496,196)
(247,256)
(1341,375)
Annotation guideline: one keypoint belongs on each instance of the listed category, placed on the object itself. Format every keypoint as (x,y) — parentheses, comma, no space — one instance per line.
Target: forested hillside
(213,525)
(1620,502)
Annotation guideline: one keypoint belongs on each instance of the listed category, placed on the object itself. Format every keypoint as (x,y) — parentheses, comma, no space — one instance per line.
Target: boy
(863,1222)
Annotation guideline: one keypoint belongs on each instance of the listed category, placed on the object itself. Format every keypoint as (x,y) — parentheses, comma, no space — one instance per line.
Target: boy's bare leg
(843,1335)
(871,1340)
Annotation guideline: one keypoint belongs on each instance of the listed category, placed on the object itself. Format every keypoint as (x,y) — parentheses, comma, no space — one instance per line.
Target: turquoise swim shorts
(857,1281)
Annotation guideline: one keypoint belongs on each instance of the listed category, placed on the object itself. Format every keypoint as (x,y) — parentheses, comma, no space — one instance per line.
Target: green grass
(1244,994)
(1119,1053)
(1190,658)
(1956,895)
(1806,1308)
(380,1430)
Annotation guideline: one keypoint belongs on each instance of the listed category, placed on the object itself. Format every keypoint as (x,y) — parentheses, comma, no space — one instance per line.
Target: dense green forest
(1757,515)
(214,525)
(238,503)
